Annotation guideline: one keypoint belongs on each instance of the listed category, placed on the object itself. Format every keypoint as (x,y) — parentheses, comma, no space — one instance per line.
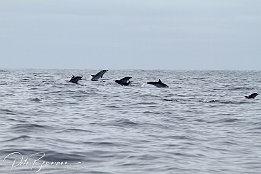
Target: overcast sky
(131,34)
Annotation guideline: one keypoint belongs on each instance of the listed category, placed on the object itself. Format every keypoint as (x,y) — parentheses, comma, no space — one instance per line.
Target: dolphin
(158,84)
(252,96)
(75,79)
(124,81)
(98,75)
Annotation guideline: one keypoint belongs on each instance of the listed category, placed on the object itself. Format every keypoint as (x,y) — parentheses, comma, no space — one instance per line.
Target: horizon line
(127,69)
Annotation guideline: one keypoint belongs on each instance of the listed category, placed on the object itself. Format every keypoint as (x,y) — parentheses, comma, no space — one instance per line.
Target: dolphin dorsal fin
(160,81)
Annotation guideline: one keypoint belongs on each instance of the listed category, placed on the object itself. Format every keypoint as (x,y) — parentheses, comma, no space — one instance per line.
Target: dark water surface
(202,124)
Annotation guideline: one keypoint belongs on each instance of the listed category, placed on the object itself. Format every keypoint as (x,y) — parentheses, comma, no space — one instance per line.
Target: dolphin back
(98,75)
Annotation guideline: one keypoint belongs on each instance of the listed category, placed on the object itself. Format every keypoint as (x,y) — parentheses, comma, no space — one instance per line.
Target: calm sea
(202,124)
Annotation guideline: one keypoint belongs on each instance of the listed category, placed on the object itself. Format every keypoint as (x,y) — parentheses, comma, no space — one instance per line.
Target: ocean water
(201,124)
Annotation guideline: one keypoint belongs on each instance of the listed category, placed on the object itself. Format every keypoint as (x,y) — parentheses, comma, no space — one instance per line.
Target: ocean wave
(59,156)
(225,101)
(77,130)
(228,120)
(28,127)
(7,112)
(134,129)
(241,88)
(47,155)
(124,123)
(172,100)
(19,138)
(35,99)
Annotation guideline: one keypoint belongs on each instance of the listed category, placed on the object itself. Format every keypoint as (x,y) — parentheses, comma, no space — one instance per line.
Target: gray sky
(131,34)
